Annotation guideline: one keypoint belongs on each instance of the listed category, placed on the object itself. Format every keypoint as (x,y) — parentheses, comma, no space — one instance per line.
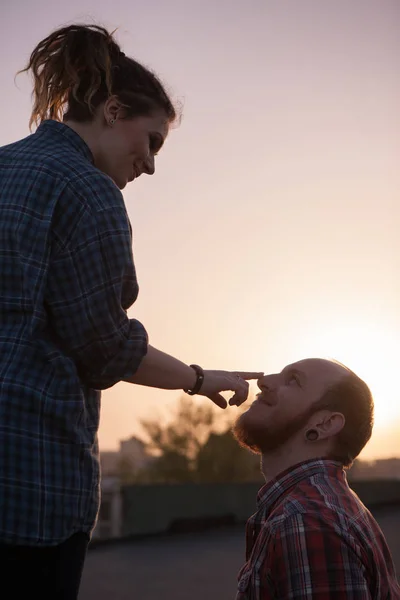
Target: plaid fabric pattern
(67,278)
(312,537)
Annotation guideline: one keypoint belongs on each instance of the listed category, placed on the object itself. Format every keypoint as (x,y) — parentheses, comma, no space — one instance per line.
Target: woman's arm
(160,370)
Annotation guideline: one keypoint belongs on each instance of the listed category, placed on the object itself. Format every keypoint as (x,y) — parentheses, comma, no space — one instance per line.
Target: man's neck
(274,463)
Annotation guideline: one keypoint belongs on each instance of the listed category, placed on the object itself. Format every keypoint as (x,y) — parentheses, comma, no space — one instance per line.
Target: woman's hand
(226,381)
(163,371)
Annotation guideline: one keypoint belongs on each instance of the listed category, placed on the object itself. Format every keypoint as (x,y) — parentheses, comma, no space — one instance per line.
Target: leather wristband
(199,381)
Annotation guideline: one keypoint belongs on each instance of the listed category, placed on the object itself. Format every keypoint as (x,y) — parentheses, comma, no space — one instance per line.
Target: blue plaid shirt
(67,278)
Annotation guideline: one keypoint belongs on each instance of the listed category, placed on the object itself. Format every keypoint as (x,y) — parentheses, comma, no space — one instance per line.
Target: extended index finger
(249,374)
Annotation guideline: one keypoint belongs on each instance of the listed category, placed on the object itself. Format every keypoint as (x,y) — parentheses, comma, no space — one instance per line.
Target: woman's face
(127,148)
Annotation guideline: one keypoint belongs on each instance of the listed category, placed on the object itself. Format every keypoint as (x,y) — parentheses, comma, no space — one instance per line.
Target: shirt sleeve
(91,284)
(312,560)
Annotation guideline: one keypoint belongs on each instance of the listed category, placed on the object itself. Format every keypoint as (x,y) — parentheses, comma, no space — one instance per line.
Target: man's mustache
(267,397)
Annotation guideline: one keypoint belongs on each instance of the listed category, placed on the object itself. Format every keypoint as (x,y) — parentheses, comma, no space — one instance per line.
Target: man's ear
(329,424)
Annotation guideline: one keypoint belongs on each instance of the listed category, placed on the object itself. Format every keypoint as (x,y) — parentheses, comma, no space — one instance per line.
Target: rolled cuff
(125,361)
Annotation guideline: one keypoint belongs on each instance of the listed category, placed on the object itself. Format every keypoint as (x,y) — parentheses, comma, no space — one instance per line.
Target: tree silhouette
(221,459)
(197,446)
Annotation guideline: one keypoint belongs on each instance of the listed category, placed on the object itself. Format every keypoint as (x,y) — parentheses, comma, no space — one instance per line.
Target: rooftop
(195,566)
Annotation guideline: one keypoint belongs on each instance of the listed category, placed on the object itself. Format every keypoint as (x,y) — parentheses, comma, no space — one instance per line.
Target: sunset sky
(269,232)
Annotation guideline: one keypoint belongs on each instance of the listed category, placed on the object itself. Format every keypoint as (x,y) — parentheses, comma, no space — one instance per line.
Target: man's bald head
(314,393)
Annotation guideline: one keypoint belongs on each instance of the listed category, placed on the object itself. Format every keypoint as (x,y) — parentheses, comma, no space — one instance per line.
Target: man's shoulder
(318,504)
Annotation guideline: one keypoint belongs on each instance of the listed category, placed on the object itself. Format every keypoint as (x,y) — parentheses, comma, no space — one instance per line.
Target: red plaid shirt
(312,537)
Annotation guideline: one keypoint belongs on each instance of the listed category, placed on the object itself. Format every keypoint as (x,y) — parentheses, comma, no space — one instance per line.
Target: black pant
(47,573)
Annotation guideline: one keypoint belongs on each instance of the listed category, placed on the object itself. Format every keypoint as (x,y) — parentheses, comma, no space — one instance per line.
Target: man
(311,536)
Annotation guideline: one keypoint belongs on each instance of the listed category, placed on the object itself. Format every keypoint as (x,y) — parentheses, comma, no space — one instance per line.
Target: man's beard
(263,439)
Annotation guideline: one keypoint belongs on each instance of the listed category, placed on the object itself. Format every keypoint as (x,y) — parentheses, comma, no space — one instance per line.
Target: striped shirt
(67,278)
(312,537)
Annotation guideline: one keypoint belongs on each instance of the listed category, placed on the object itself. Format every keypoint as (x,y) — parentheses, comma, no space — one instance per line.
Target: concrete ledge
(158,510)
(377,492)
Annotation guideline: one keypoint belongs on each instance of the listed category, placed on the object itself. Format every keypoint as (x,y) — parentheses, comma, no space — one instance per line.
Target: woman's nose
(149,165)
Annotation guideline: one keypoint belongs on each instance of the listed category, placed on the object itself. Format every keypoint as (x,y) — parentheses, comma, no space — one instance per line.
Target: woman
(67,278)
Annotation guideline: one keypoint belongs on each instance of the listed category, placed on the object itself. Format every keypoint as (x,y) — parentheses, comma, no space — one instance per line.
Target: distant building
(134,451)
(385,468)
(109,520)
(117,467)
(109,463)
(131,455)
(388,468)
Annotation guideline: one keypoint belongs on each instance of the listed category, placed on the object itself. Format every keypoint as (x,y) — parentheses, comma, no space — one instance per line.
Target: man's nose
(267,382)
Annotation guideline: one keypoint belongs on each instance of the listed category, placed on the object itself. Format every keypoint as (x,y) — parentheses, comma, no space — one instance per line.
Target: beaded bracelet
(199,381)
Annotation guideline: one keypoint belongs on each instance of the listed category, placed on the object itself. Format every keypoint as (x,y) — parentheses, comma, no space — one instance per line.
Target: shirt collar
(57,128)
(273,490)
